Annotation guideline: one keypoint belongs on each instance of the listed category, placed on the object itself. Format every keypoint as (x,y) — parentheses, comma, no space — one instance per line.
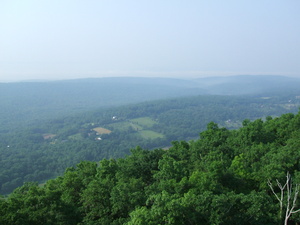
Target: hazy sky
(62,39)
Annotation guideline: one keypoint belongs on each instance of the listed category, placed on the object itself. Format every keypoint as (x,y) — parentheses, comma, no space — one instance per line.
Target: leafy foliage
(221,178)
(44,150)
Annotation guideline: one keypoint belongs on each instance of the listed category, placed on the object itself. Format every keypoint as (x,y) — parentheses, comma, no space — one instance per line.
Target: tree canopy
(221,178)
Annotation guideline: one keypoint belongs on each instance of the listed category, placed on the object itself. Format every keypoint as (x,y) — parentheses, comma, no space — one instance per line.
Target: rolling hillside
(30,102)
(44,150)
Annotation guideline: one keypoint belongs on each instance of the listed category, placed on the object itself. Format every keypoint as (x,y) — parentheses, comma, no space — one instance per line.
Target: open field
(144,121)
(101,130)
(142,125)
(149,134)
(121,126)
(136,127)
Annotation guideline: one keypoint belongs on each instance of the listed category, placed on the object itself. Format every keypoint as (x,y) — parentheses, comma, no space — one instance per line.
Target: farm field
(141,125)
(144,121)
(101,130)
(121,126)
(149,134)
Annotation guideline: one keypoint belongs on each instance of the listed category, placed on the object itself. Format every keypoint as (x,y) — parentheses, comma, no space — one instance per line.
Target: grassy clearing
(121,126)
(142,125)
(149,134)
(101,130)
(136,126)
(144,122)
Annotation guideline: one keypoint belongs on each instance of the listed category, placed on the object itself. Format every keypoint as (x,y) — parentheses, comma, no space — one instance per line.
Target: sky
(67,39)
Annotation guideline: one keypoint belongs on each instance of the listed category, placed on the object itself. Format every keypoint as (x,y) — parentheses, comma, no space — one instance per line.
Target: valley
(43,145)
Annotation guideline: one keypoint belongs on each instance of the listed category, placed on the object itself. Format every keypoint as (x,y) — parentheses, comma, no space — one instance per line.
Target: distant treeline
(27,103)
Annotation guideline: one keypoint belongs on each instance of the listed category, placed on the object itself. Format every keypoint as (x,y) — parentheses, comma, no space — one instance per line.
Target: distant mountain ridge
(248,84)
(32,101)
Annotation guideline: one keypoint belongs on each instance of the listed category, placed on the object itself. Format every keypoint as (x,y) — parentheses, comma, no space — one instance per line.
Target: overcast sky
(63,39)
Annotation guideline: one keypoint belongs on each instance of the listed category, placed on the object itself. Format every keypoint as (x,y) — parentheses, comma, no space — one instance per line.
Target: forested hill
(241,85)
(44,150)
(222,178)
(23,103)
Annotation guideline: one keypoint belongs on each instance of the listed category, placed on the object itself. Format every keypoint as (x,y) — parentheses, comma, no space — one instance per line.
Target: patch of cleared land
(144,121)
(101,130)
(142,125)
(136,126)
(149,134)
(122,126)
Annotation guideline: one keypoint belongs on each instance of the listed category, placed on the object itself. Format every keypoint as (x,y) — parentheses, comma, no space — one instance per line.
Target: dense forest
(23,103)
(27,103)
(43,150)
(227,175)
(223,177)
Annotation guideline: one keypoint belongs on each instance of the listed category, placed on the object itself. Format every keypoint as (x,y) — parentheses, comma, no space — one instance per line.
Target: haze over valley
(149,112)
